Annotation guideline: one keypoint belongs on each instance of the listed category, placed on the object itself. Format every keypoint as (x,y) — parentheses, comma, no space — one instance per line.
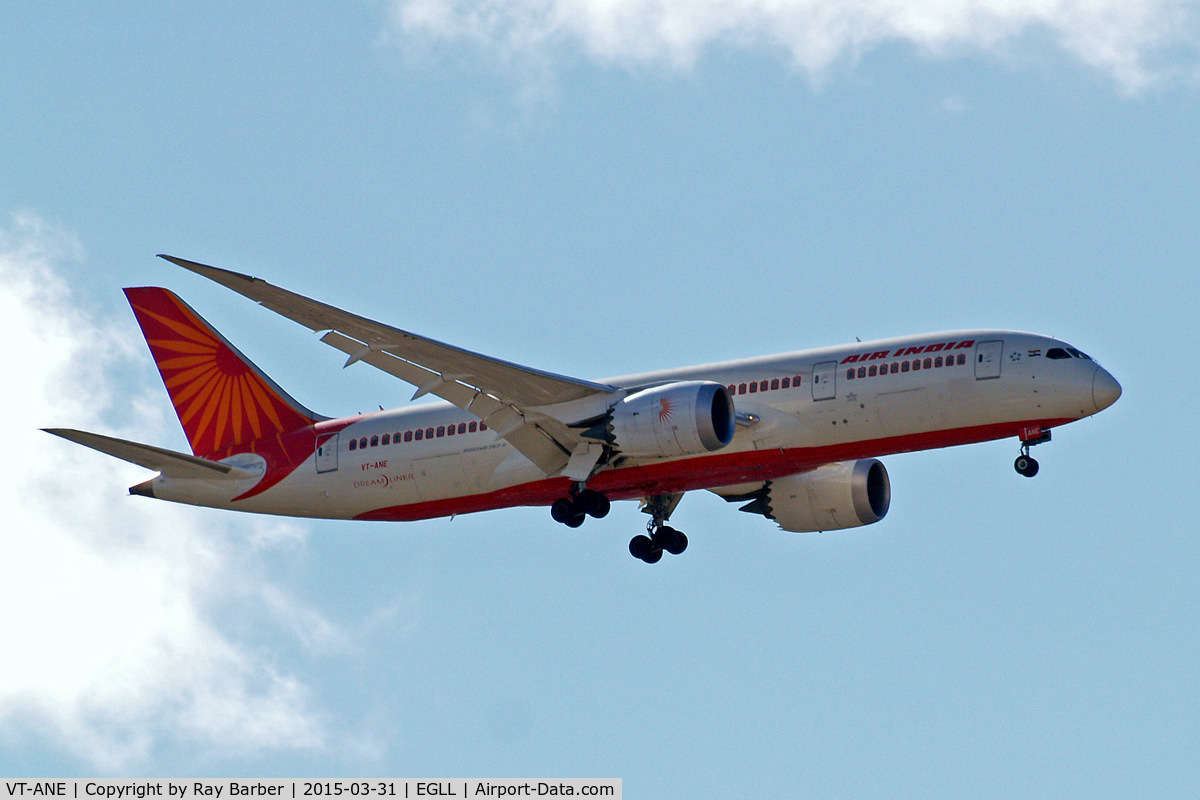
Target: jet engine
(846,494)
(676,419)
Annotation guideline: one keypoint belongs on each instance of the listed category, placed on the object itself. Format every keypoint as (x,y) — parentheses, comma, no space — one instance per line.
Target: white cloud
(1120,37)
(110,644)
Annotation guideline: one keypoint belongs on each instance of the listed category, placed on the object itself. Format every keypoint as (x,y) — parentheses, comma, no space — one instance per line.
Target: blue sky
(594,193)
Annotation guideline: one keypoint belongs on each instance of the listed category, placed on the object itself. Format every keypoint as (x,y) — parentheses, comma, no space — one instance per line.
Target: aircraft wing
(168,462)
(500,393)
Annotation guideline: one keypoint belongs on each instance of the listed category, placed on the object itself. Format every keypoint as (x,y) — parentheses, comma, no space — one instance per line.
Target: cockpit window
(1078,354)
(1057,352)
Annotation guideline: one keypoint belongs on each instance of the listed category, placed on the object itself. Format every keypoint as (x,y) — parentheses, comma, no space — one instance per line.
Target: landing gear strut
(659,536)
(1026,464)
(578,506)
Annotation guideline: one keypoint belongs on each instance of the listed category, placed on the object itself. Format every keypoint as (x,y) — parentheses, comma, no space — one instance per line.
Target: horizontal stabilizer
(168,462)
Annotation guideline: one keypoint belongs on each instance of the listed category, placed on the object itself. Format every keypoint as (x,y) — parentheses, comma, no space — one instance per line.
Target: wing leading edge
(502,394)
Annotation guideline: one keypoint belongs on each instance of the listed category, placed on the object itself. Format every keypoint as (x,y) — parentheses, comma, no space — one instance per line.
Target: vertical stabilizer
(223,401)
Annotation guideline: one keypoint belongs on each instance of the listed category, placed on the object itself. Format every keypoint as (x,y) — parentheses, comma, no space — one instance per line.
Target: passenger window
(774,383)
(795,381)
(408,436)
(916,364)
(462,427)
(871,372)
(732,388)
(450,429)
(895,367)
(353,444)
(928,363)
(904,366)
(862,372)
(762,387)
(753,388)
(483,426)
(741,388)
(374,441)
(937,362)
(962,359)
(387,439)
(441,431)
(471,427)
(850,374)
(786,382)
(420,435)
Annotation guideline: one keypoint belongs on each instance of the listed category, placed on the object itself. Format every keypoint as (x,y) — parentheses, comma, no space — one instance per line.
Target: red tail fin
(223,401)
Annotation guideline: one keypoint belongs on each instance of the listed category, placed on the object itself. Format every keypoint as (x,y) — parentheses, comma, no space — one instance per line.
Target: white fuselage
(796,411)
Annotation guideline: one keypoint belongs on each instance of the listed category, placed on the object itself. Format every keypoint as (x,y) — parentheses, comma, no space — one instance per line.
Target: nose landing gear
(1026,464)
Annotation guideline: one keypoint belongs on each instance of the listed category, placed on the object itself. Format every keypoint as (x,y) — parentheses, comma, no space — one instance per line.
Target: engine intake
(846,494)
(675,419)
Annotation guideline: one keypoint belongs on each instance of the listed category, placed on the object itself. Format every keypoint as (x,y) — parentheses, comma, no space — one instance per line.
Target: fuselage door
(824,380)
(327,454)
(987,359)
(439,477)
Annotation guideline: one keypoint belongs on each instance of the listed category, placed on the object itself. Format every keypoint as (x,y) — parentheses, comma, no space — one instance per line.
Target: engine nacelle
(676,419)
(835,496)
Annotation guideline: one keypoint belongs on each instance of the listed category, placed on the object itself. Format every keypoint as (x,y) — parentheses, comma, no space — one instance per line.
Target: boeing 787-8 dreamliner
(794,437)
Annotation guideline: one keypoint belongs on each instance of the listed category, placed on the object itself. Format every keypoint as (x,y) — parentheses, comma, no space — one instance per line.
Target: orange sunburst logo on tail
(222,401)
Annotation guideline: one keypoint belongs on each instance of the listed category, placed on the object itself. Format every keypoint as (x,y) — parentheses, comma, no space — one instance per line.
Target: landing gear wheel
(663,536)
(671,540)
(639,546)
(676,543)
(563,510)
(1026,465)
(642,548)
(575,521)
(593,503)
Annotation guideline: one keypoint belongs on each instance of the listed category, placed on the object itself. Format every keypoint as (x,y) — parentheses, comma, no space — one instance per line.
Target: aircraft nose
(1105,389)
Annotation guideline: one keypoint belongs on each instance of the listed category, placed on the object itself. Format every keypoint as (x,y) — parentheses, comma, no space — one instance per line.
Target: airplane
(794,437)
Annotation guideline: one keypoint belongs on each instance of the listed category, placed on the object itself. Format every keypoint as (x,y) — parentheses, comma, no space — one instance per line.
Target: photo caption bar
(460,789)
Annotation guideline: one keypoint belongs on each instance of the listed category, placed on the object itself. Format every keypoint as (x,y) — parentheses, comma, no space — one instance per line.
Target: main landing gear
(659,536)
(663,538)
(574,509)
(1026,464)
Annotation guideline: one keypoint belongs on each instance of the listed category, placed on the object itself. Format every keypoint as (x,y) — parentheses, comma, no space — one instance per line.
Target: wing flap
(548,451)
